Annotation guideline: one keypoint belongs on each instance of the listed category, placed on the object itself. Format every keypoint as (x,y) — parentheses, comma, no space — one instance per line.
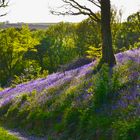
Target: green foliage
(58,45)
(127,34)
(88,34)
(79,109)
(135,45)
(24,98)
(127,130)
(4,135)
(106,83)
(1,88)
(93,53)
(30,73)
(14,44)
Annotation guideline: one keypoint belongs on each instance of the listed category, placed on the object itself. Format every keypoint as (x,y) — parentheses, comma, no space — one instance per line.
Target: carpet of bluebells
(80,104)
(133,55)
(44,83)
(60,78)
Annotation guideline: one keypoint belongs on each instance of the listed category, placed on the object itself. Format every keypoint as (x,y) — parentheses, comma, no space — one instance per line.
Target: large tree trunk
(107,49)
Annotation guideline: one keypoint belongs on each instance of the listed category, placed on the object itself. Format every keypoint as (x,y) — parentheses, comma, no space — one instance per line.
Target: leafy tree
(88,34)
(74,7)
(14,45)
(135,18)
(57,47)
(128,33)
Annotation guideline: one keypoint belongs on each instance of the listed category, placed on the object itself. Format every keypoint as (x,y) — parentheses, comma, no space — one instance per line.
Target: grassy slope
(86,108)
(4,135)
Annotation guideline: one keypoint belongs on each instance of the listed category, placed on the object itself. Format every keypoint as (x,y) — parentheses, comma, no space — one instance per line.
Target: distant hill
(31,25)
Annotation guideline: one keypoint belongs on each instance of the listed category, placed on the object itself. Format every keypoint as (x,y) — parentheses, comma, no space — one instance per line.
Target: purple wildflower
(52,80)
(57,79)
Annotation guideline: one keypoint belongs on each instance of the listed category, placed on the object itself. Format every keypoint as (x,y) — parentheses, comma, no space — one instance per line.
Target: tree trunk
(107,49)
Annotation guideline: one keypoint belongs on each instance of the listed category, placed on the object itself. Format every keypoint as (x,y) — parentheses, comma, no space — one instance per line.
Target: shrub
(29,74)
(126,129)
(105,85)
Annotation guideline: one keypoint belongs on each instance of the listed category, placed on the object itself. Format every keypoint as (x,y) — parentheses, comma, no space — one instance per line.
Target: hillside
(68,105)
(56,79)
(31,25)
(61,77)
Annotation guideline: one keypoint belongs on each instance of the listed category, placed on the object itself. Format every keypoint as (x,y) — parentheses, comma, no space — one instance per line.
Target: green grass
(4,135)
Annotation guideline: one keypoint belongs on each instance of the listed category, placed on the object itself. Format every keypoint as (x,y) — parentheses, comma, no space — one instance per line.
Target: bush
(105,85)
(127,130)
(29,74)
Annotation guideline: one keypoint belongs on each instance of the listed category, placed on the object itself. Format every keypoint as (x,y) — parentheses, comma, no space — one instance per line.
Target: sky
(37,11)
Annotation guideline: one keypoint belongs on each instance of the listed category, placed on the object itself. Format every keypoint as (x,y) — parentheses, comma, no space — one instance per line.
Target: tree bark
(107,49)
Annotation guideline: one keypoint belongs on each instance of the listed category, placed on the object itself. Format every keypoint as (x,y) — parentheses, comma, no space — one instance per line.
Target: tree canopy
(86,7)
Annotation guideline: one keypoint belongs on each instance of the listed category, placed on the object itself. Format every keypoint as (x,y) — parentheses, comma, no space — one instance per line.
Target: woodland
(72,81)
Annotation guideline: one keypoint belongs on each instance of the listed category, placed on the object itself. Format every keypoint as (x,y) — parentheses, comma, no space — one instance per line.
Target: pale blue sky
(38,10)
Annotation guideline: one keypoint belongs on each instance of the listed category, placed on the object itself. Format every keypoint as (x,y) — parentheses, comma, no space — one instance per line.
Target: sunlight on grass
(4,135)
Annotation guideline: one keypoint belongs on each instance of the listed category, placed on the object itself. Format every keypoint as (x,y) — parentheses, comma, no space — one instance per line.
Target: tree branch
(3,15)
(3,4)
(85,8)
(95,3)
(82,9)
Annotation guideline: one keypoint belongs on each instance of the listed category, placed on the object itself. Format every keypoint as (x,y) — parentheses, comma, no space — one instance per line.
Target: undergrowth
(99,107)
(4,135)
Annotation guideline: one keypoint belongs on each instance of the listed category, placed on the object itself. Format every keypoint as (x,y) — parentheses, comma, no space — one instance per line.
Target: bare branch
(3,15)
(95,3)
(99,1)
(3,4)
(85,8)
(70,5)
